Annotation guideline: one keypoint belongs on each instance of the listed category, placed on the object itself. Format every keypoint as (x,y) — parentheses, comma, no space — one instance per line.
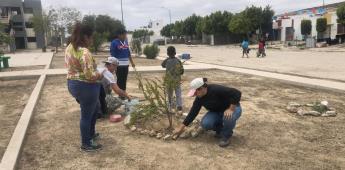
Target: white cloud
(139,12)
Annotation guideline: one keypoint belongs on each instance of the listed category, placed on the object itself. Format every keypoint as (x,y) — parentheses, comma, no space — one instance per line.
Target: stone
(184,115)
(127,120)
(309,105)
(324,103)
(144,132)
(152,133)
(159,135)
(309,113)
(133,128)
(294,104)
(330,113)
(292,109)
(185,135)
(139,130)
(167,137)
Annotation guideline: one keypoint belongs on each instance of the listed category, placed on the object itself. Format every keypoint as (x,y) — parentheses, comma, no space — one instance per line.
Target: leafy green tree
(98,40)
(167,31)
(141,34)
(4,37)
(321,26)
(41,24)
(90,20)
(190,24)
(217,23)
(306,27)
(240,24)
(107,24)
(61,20)
(178,28)
(341,14)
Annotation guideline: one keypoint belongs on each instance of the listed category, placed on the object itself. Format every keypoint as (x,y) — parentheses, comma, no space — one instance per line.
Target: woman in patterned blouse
(82,83)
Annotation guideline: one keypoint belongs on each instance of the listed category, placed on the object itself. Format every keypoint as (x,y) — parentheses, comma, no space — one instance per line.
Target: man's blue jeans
(216,121)
(87,95)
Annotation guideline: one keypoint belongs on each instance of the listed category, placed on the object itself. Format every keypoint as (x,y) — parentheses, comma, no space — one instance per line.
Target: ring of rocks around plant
(157,127)
(319,108)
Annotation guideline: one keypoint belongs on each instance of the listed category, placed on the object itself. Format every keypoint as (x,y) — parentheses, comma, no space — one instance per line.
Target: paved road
(311,63)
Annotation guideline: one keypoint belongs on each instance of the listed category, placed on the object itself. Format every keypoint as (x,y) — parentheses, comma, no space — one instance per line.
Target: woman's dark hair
(78,35)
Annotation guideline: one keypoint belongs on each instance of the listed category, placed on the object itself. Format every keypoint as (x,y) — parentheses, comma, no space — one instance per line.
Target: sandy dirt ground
(267,136)
(326,65)
(14,95)
(59,61)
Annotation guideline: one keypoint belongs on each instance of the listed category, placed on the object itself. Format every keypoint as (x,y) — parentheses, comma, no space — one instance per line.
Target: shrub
(151,51)
(306,27)
(136,46)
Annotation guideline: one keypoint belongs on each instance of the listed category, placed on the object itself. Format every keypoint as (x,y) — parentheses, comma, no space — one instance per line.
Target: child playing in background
(174,70)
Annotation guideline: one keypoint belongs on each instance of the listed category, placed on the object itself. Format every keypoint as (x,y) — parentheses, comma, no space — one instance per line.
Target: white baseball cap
(195,84)
(112,60)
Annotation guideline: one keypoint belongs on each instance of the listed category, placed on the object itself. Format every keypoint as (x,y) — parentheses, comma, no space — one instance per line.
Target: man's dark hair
(171,51)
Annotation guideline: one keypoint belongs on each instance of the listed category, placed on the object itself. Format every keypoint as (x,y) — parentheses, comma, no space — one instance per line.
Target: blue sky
(139,12)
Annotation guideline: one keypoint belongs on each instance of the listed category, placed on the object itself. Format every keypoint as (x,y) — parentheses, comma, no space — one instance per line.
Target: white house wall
(297,25)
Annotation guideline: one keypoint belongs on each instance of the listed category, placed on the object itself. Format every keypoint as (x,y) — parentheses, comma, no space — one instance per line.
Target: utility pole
(169,12)
(122,13)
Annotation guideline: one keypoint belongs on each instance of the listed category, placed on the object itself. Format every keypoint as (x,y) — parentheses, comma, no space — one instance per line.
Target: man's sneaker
(224,143)
(96,136)
(91,148)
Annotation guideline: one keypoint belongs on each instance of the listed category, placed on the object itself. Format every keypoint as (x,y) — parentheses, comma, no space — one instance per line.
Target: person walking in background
(82,77)
(262,45)
(245,48)
(174,70)
(120,50)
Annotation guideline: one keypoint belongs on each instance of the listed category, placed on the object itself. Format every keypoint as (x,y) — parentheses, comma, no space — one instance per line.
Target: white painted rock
(184,115)
(331,113)
(133,128)
(127,120)
(309,113)
(324,103)
(167,137)
(152,133)
(159,135)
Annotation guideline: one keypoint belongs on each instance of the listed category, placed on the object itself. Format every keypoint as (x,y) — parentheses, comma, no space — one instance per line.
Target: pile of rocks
(192,131)
(310,109)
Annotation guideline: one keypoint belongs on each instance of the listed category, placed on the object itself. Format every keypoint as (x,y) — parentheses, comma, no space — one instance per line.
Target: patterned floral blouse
(80,64)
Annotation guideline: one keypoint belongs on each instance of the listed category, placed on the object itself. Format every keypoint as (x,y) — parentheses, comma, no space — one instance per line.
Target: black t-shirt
(217,99)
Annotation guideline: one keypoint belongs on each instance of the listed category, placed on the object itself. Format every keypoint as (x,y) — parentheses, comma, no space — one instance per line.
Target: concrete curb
(13,150)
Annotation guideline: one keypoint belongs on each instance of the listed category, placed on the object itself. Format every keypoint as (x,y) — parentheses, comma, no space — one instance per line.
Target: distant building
(16,15)
(287,27)
(156,26)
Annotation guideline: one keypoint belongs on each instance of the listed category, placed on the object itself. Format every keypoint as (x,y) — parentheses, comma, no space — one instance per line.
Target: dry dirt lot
(14,95)
(267,136)
(59,61)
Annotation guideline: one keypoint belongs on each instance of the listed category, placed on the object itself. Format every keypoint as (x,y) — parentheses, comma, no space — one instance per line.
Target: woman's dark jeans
(87,95)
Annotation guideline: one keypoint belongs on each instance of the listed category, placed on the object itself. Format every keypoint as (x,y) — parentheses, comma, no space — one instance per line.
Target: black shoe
(96,136)
(224,143)
(91,148)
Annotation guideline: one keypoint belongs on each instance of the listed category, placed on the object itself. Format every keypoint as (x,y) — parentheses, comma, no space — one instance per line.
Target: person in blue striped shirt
(119,49)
